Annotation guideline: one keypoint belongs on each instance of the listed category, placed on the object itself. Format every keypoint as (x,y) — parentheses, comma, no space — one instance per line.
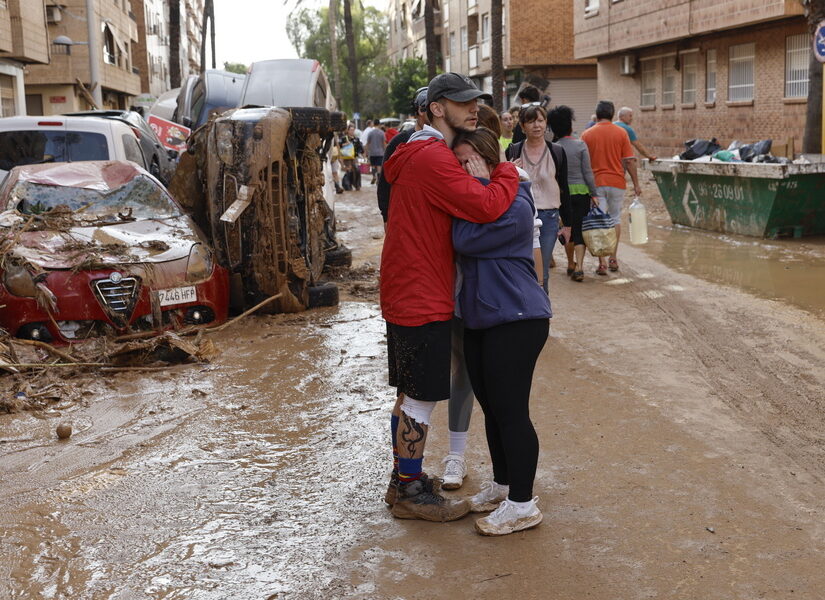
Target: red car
(90,248)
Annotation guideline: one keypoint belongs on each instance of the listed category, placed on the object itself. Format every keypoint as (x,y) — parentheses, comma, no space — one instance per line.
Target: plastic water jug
(638,222)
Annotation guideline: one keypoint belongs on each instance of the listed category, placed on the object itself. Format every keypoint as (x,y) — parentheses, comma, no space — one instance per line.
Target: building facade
(64,85)
(151,52)
(23,42)
(689,67)
(537,46)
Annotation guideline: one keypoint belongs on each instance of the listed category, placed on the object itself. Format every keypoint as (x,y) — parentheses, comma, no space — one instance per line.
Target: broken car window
(140,198)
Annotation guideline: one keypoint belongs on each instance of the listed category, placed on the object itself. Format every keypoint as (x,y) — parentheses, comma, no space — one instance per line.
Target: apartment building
(64,84)
(537,46)
(730,69)
(23,42)
(151,51)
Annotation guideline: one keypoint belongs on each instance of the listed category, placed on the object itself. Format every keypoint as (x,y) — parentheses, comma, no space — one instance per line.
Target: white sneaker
(509,519)
(455,470)
(491,495)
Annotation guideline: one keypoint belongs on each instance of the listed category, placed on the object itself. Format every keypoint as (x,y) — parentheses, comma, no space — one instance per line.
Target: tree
(235,67)
(497,54)
(409,75)
(429,38)
(309,32)
(812,139)
(352,59)
(333,44)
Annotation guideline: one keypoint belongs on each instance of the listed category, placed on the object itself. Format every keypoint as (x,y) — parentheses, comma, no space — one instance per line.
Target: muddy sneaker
(507,518)
(491,495)
(455,470)
(416,501)
(433,484)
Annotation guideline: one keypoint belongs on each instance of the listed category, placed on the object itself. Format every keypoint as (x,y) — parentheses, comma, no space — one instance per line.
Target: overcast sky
(250,30)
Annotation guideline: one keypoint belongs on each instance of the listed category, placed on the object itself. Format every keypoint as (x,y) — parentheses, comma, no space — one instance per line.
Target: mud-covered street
(678,403)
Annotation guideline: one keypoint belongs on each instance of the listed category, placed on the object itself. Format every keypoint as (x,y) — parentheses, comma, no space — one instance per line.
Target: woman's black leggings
(500,362)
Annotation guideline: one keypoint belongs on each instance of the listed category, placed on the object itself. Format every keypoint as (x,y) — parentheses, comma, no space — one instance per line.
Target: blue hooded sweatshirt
(499,276)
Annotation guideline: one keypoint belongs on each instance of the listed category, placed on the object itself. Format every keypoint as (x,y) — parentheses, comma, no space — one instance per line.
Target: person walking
(580,182)
(376,144)
(349,150)
(507,320)
(368,127)
(529,95)
(624,119)
(429,188)
(546,164)
(610,155)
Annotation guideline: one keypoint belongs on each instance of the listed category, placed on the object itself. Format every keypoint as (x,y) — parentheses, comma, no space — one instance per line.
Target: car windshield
(35,147)
(139,198)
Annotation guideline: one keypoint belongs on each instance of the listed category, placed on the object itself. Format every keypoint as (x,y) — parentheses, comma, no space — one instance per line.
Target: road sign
(356,116)
(819,42)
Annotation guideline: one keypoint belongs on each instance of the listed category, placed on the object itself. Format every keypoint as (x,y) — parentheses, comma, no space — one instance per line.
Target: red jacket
(429,188)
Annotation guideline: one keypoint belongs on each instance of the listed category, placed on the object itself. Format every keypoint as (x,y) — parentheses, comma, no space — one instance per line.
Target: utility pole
(94,53)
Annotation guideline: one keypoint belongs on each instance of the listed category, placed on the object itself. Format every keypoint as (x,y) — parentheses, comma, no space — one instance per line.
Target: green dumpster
(758,199)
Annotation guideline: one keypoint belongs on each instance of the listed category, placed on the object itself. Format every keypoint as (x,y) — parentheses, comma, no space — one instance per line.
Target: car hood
(144,241)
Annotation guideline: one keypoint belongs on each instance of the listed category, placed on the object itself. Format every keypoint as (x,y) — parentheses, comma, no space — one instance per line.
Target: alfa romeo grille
(117,297)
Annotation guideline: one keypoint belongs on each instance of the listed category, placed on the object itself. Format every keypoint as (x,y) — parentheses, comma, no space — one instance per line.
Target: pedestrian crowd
(473,204)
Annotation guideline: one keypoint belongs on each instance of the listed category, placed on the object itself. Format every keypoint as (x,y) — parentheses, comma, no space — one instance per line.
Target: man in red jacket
(429,188)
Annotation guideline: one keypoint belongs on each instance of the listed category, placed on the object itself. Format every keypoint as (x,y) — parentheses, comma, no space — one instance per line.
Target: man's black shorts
(376,161)
(419,360)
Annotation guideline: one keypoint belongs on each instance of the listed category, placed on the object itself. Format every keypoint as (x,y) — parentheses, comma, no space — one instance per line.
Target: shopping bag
(599,232)
(348,151)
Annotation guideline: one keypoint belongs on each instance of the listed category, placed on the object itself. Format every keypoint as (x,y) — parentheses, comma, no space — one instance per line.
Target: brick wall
(770,115)
(542,32)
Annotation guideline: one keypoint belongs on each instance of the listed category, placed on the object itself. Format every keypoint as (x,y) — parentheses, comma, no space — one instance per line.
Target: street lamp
(94,67)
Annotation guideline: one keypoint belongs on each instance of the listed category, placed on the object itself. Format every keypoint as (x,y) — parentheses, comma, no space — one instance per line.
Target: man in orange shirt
(610,154)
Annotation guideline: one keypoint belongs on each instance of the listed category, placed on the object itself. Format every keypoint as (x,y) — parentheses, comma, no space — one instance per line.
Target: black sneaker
(418,500)
(433,484)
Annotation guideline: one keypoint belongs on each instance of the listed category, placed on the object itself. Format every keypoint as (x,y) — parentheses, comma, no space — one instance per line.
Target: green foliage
(406,77)
(235,67)
(308,30)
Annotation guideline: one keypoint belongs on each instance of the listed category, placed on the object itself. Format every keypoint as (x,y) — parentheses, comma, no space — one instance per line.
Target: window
(689,78)
(710,77)
(797,51)
(446,10)
(485,36)
(50,146)
(740,72)
(108,46)
(669,80)
(464,39)
(453,49)
(591,6)
(132,150)
(648,83)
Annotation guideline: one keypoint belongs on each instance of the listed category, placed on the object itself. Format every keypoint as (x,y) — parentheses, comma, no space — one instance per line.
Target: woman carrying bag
(350,149)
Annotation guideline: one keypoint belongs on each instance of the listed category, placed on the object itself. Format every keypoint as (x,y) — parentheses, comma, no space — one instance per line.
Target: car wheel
(338,121)
(325,294)
(338,257)
(310,120)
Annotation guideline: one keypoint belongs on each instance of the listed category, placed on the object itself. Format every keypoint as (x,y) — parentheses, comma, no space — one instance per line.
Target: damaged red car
(100,247)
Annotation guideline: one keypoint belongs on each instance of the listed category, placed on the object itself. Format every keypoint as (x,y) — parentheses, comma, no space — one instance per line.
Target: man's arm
(383,186)
(630,166)
(642,150)
(450,188)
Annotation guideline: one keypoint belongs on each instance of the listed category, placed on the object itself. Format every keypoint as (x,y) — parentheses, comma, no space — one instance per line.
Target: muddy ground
(682,457)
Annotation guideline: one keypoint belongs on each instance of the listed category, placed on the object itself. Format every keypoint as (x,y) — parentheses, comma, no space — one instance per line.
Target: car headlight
(223,141)
(199,265)
(19,281)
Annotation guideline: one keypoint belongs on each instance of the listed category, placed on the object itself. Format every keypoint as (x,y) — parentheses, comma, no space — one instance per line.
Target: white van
(36,140)
(287,82)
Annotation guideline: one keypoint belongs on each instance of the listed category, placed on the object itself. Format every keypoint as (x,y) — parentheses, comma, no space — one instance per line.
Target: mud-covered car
(255,183)
(100,247)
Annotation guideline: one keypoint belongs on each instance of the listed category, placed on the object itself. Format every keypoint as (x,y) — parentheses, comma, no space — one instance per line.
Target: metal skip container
(756,199)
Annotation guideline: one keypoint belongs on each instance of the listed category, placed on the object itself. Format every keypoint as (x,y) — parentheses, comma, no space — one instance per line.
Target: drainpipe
(94,53)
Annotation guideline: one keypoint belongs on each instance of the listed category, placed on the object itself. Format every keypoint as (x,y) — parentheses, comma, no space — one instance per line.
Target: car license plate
(177,295)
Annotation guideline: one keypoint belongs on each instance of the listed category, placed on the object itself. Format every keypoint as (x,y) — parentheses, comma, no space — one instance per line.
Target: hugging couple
(453,203)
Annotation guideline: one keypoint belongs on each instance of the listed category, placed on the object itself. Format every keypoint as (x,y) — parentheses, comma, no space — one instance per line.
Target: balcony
(485,49)
(472,7)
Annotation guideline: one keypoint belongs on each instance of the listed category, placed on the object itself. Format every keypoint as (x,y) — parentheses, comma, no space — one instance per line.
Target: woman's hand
(476,167)
(565,233)
(594,201)
(518,162)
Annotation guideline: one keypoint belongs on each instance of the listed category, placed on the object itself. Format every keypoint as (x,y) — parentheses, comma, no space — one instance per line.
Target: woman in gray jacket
(580,181)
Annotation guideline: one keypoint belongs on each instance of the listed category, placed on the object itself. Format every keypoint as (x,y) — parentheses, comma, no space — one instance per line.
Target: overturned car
(254,180)
(99,247)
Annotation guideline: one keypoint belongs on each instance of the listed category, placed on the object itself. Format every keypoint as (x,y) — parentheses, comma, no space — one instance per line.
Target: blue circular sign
(819,42)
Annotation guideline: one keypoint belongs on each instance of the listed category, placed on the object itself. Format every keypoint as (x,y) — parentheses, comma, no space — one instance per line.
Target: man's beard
(458,125)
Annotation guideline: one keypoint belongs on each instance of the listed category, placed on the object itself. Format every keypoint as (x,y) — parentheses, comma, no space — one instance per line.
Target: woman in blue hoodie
(506,317)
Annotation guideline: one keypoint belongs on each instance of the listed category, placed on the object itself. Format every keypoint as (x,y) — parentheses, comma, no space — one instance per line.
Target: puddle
(788,270)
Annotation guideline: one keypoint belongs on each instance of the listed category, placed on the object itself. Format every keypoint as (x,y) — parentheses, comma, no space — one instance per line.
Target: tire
(340,256)
(338,121)
(310,120)
(325,294)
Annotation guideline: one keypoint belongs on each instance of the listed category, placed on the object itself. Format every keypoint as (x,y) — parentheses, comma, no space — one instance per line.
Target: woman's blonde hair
(483,141)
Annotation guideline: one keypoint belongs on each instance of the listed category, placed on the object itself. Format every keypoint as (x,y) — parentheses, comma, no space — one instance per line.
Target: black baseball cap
(455,87)
(420,99)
